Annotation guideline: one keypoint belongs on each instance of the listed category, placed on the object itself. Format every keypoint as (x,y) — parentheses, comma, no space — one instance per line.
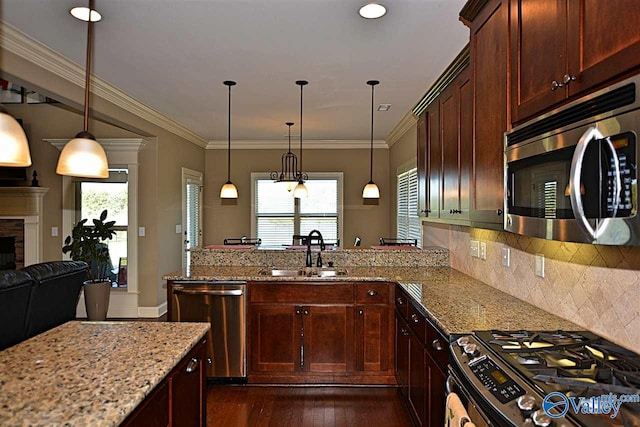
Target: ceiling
(173,56)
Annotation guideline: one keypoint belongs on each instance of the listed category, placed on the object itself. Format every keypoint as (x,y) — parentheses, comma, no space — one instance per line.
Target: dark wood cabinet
(324,332)
(564,48)
(180,399)
(489,59)
(421,360)
(429,162)
(423,169)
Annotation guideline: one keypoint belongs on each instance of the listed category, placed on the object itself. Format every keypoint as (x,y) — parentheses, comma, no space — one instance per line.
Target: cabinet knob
(568,78)
(400,301)
(192,366)
(556,85)
(306,311)
(437,345)
(372,292)
(415,318)
(298,311)
(499,212)
(404,332)
(360,312)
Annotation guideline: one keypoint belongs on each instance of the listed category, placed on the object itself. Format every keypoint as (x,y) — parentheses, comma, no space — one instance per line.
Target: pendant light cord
(301,86)
(371,160)
(229,139)
(88,68)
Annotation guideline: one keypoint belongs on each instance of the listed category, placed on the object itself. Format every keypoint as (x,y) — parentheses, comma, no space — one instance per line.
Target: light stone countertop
(89,373)
(455,302)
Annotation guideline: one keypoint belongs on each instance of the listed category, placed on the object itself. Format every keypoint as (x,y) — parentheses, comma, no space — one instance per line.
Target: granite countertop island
(89,373)
(454,301)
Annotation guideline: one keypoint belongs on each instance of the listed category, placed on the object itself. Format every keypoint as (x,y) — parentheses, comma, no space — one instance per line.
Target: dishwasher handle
(225,293)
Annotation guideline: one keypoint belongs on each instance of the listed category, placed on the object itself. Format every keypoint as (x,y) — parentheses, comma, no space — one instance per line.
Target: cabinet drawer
(417,323)
(301,292)
(437,346)
(401,302)
(372,293)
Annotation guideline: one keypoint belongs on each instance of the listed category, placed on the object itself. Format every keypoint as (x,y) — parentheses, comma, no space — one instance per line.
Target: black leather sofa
(37,298)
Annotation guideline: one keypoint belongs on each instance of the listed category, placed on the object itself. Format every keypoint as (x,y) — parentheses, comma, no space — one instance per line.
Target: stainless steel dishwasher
(223,305)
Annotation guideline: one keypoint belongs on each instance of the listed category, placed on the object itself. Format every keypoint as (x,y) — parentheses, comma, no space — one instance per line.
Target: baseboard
(122,305)
(152,312)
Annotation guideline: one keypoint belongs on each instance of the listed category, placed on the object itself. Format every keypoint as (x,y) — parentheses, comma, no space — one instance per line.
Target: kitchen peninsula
(98,373)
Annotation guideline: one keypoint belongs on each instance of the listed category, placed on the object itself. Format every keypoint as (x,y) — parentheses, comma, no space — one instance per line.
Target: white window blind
(278,215)
(191,212)
(408,222)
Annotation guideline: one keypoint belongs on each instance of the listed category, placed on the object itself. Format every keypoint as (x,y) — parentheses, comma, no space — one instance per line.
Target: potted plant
(87,243)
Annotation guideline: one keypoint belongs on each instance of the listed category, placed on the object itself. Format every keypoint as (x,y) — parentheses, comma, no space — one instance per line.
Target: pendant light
(301,189)
(371,190)
(289,174)
(14,147)
(83,156)
(228,190)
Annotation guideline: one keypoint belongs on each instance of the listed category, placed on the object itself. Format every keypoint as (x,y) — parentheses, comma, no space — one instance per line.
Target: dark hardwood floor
(249,406)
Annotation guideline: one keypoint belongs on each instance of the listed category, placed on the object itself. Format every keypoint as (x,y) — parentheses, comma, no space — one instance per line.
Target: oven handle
(453,385)
(576,176)
(227,293)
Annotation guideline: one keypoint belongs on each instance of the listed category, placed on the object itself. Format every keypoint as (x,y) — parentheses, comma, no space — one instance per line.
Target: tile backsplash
(594,286)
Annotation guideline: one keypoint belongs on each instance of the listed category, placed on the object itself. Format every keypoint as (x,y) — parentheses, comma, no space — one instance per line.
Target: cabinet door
(402,353)
(418,381)
(328,339)
(538,55)
(603,41)
(437,393)
(489,48)
(434,159)
(188,404)
(276,341)
(372,338)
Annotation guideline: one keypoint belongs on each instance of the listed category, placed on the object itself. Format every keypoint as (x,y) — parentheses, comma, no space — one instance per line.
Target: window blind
(408,222)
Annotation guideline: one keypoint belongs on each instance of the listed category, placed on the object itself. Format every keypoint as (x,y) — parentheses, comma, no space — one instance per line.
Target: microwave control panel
(625,146)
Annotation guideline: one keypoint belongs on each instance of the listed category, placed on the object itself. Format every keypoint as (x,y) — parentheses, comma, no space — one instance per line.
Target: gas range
(559,378)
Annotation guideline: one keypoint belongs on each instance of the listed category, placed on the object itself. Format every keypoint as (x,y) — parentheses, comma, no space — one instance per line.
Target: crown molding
(314,144)
(109,144)
(407,122)
(33,51)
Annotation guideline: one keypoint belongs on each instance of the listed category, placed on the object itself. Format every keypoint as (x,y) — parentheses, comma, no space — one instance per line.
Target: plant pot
(96,298)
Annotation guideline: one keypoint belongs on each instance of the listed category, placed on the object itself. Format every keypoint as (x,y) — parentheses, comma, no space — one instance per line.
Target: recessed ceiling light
(384,107)
(372,11)
(82,13)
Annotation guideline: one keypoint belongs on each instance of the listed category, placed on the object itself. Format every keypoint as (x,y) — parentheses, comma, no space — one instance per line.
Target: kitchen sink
(306,272)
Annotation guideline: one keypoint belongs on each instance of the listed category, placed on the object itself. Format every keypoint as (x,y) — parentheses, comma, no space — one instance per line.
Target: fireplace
(21,219)
(7,253)
(11,244)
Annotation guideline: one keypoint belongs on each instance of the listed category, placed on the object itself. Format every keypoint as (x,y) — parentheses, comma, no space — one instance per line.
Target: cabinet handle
(555,85)
(360,312)
(400,301)
(404,332)
(192,366)
(499,212)
(372,293)
(415,319)
(568,78)
(437,345)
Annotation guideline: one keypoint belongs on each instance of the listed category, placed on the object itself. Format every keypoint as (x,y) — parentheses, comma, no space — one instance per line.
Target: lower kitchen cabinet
(180,399)
(421,358)
(325,332)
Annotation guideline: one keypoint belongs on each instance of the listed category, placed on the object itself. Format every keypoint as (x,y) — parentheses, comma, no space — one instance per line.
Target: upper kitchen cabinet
(429,163)
(489,25)
(562,48)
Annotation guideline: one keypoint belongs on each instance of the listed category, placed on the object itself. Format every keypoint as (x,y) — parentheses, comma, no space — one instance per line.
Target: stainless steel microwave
(571,175)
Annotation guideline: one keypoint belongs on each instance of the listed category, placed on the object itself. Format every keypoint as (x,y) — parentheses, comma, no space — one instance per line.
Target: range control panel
(495,380)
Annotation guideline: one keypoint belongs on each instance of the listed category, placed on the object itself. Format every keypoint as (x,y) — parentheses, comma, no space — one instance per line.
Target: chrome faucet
(308,262)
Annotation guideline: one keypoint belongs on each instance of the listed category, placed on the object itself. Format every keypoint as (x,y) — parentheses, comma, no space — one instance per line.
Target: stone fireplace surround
(25,203)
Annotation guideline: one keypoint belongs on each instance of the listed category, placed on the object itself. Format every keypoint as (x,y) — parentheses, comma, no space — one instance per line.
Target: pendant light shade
(83,156)
(371,190)
(228,190)
(289,172)
(301,190)
(14,147)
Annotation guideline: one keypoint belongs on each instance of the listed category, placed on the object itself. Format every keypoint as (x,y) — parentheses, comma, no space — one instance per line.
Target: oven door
(476,413)
(578,186)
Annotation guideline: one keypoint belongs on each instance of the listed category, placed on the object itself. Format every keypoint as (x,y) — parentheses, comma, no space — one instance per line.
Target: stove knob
(471,350)
(541,419)
(528,423)
(462,341)
(527,403)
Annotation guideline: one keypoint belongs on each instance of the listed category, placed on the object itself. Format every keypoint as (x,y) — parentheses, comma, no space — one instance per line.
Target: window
(94,196)
(408,222)
(191,212)
(277,215)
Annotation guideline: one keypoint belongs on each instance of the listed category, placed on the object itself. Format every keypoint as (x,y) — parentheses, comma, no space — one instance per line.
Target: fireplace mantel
(25,203)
